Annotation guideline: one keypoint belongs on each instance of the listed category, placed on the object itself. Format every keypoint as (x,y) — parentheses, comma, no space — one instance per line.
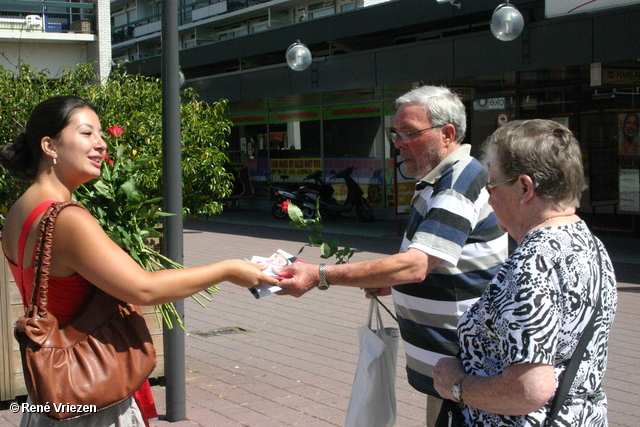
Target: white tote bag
(373,395)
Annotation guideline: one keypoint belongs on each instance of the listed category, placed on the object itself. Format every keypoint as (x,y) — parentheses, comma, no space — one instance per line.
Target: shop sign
(294,169)
(489,104)
(352,111)
(390,108)
(465,93)
(621,76)
(303,115)
(554,8)
(249,119)
(295,101)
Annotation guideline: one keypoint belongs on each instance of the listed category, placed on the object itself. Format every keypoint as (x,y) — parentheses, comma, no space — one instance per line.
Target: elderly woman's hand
(448,371)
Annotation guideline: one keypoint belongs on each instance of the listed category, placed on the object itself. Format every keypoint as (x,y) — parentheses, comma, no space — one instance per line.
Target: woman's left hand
(448,371)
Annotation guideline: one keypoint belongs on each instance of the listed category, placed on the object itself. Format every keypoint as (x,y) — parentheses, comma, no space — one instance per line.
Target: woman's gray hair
(544,150)
(442,107)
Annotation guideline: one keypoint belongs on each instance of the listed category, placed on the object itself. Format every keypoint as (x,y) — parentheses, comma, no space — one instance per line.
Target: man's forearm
(408,267)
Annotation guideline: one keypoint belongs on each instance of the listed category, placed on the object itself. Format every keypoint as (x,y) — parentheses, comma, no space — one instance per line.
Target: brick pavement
(291,361)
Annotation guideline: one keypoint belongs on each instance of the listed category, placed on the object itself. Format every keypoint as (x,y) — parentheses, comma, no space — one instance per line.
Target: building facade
(53,35)
(580,67)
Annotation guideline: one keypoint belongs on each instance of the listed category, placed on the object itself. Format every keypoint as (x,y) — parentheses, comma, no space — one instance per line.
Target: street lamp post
(174,340)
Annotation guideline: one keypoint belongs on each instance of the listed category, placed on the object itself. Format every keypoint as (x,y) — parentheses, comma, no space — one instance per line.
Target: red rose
(115,131)
(107,159)
(285,206)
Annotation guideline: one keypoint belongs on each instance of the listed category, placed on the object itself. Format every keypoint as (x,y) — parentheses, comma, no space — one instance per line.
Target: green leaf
(326,250)
(102,188)
(295,214)
(316,241)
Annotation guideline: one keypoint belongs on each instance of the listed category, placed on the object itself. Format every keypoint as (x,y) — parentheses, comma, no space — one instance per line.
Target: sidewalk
(281,361)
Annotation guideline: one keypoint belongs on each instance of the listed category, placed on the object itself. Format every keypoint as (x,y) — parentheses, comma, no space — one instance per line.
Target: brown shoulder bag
(98,359)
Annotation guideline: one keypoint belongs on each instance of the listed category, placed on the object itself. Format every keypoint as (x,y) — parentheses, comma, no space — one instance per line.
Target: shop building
(578,66)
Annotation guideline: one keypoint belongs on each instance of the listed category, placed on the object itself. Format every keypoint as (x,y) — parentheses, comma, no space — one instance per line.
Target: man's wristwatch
(323,285)
(456,390)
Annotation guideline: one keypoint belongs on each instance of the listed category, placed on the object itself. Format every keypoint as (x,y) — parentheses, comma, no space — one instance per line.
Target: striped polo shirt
(450,219)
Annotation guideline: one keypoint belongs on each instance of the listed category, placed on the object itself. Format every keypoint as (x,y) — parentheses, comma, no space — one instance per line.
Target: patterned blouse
(534,311)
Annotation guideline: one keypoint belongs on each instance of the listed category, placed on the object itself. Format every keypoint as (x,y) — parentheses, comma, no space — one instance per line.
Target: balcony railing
(186,15)
(47,16)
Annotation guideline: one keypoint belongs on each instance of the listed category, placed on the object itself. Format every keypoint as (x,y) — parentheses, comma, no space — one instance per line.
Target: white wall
(40,56)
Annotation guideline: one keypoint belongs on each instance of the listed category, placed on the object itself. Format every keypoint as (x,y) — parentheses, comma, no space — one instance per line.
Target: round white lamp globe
(298,56)
(506,22)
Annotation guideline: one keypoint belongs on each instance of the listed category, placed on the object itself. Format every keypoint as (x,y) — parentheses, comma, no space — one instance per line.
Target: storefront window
(489,111)
(629,154)
(353,137)
(294,133)
(352,131)
(284,139)
(294,144)
(250,138)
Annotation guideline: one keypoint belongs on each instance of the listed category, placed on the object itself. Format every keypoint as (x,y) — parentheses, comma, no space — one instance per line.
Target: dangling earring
(55,161)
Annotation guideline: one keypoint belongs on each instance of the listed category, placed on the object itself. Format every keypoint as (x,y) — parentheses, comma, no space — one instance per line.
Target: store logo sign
(489,104)
(620,76)
(555,8)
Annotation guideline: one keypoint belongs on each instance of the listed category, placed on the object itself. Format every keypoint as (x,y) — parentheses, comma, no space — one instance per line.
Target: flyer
(279,258)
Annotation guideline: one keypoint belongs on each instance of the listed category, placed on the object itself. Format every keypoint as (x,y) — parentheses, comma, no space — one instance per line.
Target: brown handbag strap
(42,262)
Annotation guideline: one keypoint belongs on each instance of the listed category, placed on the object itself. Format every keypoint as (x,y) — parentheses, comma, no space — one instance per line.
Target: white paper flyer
(279,258)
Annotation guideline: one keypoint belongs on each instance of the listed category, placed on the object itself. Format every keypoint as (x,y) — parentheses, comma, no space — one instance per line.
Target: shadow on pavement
(382,245)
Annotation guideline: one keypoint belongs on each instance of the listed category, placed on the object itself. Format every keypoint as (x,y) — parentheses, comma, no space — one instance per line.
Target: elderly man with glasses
(452,246)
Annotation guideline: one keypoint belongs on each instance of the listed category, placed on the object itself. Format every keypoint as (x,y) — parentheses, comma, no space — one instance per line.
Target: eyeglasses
(406,136)
(491,185)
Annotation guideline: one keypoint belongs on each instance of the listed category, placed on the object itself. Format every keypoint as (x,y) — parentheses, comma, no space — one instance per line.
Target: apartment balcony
(40,21)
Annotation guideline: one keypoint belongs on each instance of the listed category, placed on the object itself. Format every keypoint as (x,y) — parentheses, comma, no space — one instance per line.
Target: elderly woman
(517,340)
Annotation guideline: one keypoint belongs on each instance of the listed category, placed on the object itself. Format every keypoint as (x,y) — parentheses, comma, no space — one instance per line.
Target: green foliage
(328,247)
(126,199)
(122,210)
(134,103)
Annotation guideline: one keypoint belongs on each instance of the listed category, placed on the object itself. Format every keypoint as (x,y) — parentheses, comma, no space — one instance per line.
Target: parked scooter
(322,193)
(324,189)
(280,195)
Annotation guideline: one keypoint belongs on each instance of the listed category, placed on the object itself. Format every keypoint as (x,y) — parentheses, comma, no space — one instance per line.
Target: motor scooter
(324,189)
(280,195)
(321,193)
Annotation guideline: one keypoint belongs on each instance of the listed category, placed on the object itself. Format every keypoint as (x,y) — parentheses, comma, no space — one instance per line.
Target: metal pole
(174,340)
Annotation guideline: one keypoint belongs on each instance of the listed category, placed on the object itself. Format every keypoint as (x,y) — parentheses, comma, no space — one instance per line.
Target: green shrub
(126,199)
(134,103)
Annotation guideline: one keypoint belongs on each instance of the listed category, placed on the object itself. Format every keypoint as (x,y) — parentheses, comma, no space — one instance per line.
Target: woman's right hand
(247,274)
(88,251)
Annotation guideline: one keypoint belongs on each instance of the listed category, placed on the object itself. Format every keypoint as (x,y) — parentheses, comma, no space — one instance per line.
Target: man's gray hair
(442,107)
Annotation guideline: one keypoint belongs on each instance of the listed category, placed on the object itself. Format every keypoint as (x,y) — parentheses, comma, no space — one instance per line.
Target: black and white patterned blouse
(534,311)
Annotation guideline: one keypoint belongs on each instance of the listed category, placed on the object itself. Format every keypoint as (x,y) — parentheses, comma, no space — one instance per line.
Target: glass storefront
(287,138)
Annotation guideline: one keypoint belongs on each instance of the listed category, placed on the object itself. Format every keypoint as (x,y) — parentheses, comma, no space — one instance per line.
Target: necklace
(535,227)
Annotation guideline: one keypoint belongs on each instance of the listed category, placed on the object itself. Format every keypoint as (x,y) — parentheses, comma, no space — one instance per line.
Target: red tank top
(68,296)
